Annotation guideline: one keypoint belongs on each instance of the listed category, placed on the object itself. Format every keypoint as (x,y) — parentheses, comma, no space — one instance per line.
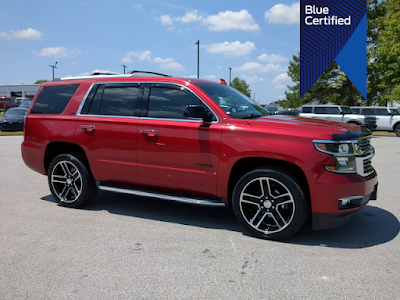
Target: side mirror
(198,112)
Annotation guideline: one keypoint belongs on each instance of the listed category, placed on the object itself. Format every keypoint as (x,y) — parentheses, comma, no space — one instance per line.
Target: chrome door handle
(88,128)
(149,132)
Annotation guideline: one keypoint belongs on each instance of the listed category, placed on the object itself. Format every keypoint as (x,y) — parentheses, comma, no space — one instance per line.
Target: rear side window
(332,110)
(306,110)
(367,111)
(319,110)
(119,100)
(54,99)
(169,103)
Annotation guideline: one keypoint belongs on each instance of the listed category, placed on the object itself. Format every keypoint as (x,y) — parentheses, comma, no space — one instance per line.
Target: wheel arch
(353,121)
(245,165)
(395,125)
(54,149)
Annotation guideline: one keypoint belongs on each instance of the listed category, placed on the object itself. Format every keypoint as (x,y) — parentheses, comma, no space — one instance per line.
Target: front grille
(364,145)
(368,169)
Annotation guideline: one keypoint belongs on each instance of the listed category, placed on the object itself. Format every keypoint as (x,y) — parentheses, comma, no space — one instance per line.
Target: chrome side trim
(147,118)
(194,201)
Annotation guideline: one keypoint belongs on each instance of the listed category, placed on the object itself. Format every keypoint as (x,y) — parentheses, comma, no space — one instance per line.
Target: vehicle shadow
(161,210)
(369,227)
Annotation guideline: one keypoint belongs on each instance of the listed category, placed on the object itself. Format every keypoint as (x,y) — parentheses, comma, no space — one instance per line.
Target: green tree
(40,81)
(387,53)
(376,10)
(293,95)
(241,85)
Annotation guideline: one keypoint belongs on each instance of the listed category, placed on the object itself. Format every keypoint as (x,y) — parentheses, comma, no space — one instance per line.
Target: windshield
(15,113)
(394,112)
(346,110)
(236,104)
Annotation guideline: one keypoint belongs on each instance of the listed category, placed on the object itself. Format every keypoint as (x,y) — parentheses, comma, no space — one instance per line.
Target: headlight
(342,154)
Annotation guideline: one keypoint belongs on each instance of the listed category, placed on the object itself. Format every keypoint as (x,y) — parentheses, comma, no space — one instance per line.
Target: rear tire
(270,204)
(70,181)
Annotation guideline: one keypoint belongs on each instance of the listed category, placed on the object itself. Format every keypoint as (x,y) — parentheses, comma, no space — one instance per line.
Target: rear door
(107,129)
(175,152)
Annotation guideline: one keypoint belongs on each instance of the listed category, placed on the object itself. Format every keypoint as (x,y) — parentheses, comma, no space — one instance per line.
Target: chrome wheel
(267,205)
(66,181)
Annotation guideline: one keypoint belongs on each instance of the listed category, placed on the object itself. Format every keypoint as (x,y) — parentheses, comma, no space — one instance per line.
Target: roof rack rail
(146,72)
(102,73)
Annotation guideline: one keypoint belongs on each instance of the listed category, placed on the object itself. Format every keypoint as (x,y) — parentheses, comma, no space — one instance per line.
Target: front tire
(397,130)
(70,181)
(270,204)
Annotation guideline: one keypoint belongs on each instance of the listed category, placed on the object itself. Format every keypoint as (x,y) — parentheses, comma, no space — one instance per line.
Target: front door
(175,152)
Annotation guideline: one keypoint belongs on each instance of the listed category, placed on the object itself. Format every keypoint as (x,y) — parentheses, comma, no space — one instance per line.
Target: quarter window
(54,99)
(170,103)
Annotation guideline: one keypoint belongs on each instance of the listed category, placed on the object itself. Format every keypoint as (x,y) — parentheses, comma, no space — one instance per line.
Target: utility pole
(54,67)
(198,59)
(124,68)
(230,75)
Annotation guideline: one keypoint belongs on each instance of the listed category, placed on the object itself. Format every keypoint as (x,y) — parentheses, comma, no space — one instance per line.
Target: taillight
(25,127)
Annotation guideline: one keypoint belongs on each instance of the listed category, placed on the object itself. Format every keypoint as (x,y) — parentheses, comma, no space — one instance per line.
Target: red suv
(197,142)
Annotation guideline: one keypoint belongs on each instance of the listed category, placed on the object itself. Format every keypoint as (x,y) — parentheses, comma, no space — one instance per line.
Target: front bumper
(322,221)
(12,126)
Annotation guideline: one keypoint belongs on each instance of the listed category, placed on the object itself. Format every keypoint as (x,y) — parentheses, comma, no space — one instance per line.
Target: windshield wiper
(252,116)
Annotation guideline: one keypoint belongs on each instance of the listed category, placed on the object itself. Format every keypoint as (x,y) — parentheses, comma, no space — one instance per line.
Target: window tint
(170,103)
(332,110)
(367,111)
(381,112)
(319,110)
(53,99)
(306,110)
(119,100)
(355,110)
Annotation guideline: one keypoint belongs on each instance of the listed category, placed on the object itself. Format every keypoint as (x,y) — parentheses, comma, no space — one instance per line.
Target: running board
(188,200)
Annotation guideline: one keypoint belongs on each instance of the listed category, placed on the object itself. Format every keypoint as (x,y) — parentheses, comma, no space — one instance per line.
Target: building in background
(19,90)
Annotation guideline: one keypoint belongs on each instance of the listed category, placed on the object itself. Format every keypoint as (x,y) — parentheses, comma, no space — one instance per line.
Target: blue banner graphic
(333,30)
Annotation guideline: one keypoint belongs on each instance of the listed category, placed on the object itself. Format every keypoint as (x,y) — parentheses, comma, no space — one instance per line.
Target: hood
(313,128)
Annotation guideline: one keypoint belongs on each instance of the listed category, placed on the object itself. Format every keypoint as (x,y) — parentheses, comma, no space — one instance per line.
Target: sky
(256,38)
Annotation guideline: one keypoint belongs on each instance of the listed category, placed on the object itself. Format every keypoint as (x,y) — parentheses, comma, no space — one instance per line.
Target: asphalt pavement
(127,247)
